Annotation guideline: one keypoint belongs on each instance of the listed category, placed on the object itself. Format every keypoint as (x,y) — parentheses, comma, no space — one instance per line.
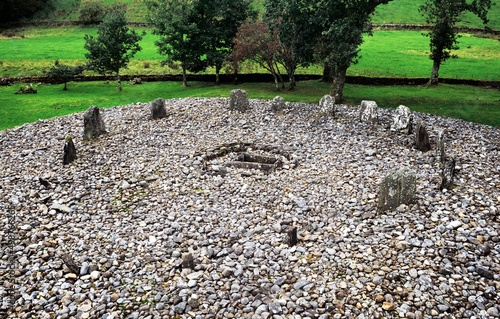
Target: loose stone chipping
(278,105)
(440,252)
(368,112)
(397,188)
(422,142)
(327,106)
(238,100)
(158,109)
(93,124)
(402,120)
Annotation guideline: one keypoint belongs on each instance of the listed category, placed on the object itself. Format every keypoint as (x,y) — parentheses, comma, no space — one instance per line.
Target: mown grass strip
(469,103)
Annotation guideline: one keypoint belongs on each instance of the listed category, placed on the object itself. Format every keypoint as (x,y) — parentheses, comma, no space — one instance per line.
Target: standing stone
(368,112)
(238,100)
(448,174)
(158,109)
(187,261)
(327,106)
(69,151)
(397,188)
(292,236)
(401,121)
(93,124)
(440,147)
(278,105)
(422,142)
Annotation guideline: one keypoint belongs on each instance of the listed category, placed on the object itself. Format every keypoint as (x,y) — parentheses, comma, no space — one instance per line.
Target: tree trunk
(276,82)
(337,88)
(119,82)
(292,83)
(435,73)
(217,77)
(184,77)
(65,88)
(327,74)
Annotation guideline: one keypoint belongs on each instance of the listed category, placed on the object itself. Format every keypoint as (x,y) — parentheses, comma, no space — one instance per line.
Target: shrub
(146,65)
(137,81)
(174,65)
(91,12)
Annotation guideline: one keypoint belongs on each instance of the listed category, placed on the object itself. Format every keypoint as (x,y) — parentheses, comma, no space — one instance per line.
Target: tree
(113,47)
(296,32)
(256,43)
(15,10)
(444,15)
(64,72)
(171,19)
(217,22)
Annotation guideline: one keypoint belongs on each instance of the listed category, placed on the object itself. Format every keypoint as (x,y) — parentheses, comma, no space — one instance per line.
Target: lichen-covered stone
(368,112)
(327,106)
(440,147)
(158,109)
(69,151)
(93,124)
(402,120)
(238,100)
(397,188)
(448,174)
(278,105)
(422,142)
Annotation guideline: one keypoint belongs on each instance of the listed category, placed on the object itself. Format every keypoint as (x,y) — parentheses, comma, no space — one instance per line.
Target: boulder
(327,106)
(158,109)
(238,100)
(401,121)
(448,174)
(69,151)
(422,142)
(368,112)
(278,105)
(93,124)
(397,188)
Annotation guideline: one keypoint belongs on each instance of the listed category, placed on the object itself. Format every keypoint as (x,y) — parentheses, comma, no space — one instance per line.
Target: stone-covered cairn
(93,124)
(448,174)
(69,151)
(158,109)
(278,105)
(327,106)
(238,100)
(397,188)
(422,142)
(402,120)
(440,147)
(368,112)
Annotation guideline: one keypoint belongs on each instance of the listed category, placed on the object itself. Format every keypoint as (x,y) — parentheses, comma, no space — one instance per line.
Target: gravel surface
(110,235)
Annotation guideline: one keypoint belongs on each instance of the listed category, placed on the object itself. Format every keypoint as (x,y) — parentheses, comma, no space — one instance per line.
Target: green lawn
(386,54)
(469,103)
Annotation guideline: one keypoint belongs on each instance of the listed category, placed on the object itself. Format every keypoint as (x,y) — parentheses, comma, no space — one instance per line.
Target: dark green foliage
(94,11)
(172,24)
(217,22)
(444,15)
(114,45)
(64,72)
(15,10)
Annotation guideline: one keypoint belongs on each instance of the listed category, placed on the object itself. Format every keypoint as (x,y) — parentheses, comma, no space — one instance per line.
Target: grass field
(386,54)
(469,103)
(397,11)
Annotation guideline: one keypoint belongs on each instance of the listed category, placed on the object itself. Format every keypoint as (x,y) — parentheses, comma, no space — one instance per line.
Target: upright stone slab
(440,154)
(397,188)
(448,174)
(278,105)
(93,124)
(401,121)
(69,151)
(422,142)
(158,109)
(238,100)
(327,106)
(368,112)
